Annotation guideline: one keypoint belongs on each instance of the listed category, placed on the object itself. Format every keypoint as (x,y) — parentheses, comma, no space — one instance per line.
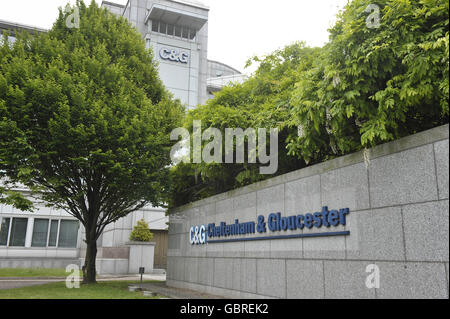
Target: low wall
(109,266)
(142,254)
(398,222)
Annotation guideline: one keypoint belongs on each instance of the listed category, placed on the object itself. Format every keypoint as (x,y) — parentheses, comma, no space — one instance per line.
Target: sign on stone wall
(212,233)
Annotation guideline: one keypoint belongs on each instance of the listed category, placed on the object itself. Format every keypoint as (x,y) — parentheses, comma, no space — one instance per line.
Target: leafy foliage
(375,85)
(263,101)
(366,86)
(141,232)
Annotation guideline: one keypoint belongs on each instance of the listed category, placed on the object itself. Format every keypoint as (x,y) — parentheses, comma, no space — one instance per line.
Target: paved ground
(11,283)
(176,293)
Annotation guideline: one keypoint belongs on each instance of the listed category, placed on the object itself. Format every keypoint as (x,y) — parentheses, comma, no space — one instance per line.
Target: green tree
(85,121)
(141,232)
(263,101)
(375,84)
(366,86)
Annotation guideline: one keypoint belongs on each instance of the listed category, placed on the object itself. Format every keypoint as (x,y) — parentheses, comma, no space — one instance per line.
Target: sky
(238,29)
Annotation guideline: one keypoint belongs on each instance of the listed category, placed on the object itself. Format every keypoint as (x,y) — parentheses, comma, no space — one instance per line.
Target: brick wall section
(399,220)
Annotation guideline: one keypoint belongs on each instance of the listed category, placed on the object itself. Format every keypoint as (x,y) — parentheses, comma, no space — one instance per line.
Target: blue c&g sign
(275,223)
(197,235)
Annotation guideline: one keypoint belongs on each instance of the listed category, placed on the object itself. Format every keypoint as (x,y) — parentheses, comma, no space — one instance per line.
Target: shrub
(141,232)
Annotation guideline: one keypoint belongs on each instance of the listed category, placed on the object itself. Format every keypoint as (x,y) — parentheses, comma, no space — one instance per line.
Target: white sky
(238,29)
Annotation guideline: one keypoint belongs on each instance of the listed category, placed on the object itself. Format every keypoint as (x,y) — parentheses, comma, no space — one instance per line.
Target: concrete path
(11,283)
(176,293)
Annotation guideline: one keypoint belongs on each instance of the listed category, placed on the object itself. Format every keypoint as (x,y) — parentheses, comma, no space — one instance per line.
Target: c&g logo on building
(197,235)
(200,235)
(174,55)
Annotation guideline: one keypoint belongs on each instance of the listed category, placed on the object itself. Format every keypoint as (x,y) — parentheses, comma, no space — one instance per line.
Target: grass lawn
(58,290)
(32,272)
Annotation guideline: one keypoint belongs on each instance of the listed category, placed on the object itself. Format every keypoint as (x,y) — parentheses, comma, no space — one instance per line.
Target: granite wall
(399,221)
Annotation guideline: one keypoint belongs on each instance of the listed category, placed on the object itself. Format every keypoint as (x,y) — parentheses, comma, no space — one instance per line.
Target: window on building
(178,31)
(162,28)
(53,236)
(40,232)
(18,232)
(170,29)
(68,234)
(155,26)
(185,33)
(4,230)
(45,232)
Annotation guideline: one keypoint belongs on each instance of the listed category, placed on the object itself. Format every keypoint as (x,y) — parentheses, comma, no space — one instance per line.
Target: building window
(155,26)
(173,30)
(68,233)
(4,231)
(170,29)
(52,238)
(185,33)
(46,233)
(162,28)
(13,231)
(40,232)
(178,31)
(18,232)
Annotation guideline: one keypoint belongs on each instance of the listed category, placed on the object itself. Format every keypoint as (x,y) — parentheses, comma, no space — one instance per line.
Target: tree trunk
(89,271)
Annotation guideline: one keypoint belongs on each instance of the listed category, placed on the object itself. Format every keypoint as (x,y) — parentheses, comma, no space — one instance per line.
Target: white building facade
(177,31)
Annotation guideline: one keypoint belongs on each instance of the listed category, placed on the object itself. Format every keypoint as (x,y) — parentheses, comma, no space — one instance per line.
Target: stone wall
(398,198)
